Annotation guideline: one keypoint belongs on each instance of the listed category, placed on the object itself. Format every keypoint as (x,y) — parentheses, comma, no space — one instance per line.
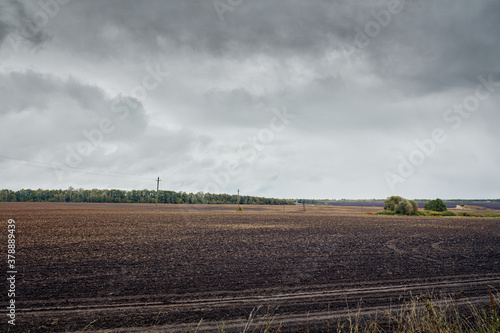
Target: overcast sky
(283,98)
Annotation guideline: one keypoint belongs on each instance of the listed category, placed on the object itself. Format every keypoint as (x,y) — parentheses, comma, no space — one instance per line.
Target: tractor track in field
(341,300)
(296,321)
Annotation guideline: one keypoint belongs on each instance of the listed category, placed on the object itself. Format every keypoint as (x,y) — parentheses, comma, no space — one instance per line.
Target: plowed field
(126,267)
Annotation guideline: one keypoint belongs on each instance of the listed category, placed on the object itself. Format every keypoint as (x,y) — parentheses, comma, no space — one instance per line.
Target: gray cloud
(47,113)
(355,111)
(19,22)
(71,100)
(427,47)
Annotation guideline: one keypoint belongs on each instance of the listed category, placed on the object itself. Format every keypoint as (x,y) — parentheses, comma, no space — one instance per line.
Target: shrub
(433,213)
(491,215)
(436,205)
(404,207)
(474,214)
(391,202)
(400,205)
(448,213)
(469,214)
(386,212)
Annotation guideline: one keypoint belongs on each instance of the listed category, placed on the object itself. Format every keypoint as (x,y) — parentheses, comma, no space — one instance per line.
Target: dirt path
(292,309)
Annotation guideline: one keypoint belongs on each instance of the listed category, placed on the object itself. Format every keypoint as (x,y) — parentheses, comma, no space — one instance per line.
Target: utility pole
(238,198)
(157,191)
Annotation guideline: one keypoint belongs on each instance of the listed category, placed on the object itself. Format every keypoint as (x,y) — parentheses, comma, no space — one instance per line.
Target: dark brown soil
(91,266)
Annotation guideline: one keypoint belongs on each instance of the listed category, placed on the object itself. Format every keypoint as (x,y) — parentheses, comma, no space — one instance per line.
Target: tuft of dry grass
(428,314)
(423,314)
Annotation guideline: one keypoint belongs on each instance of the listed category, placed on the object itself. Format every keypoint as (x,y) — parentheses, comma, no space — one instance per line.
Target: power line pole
(157,191)
(238,198)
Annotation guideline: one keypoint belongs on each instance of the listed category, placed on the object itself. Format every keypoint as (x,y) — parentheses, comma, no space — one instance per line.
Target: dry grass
(424,314)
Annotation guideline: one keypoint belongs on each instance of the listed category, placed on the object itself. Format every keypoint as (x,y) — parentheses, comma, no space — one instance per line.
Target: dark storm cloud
(30,90)
(61,110)
(426,46)
(438,45)
(289,26)
(70,128)
(359,97)
(20,23)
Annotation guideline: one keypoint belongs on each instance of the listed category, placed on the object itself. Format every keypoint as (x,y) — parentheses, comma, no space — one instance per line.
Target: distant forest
(134,196)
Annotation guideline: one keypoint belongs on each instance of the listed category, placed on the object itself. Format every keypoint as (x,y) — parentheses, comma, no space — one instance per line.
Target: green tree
(404,207)
(400,205)
(436,205)
(391,202)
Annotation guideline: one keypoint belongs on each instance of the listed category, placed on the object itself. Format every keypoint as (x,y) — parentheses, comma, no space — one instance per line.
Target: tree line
(133,196)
